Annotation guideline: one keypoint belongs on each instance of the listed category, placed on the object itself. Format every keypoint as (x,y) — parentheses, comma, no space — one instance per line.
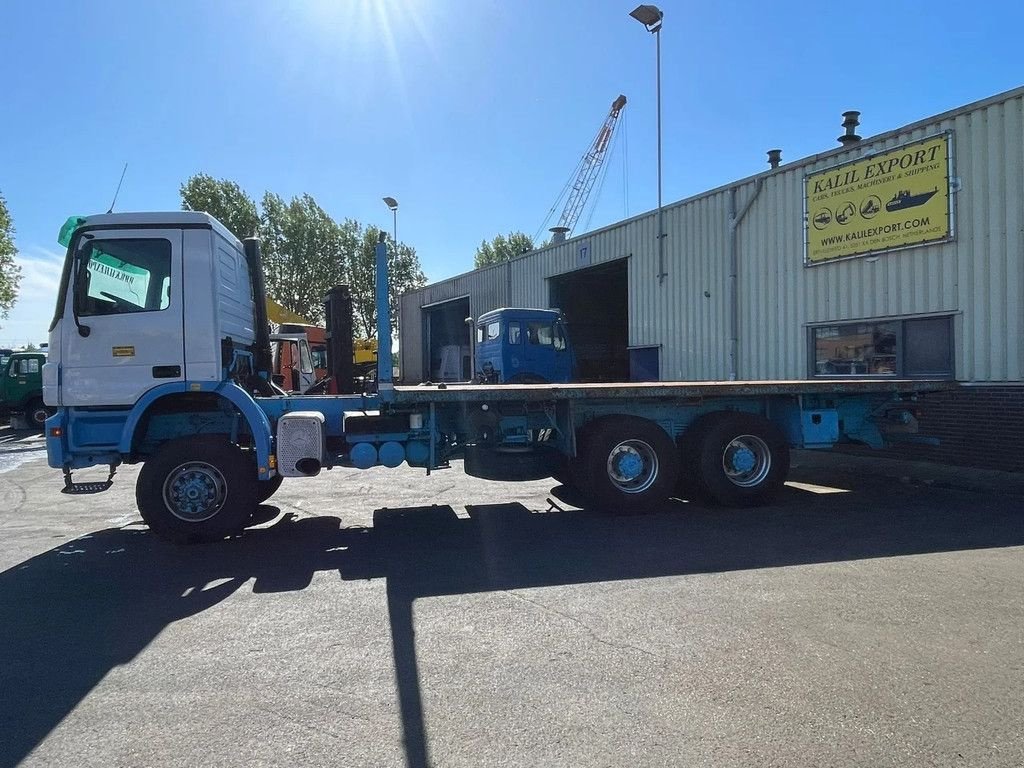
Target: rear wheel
(197,489)
(743,459)
(573,472)
(630,464)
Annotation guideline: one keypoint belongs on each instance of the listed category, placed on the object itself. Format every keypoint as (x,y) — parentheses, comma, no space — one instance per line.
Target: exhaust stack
(774,157)
(850,122)
(558,234)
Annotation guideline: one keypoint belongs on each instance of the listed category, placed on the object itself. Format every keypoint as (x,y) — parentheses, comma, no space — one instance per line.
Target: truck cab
(146,300)
(295,369)
(523,346)
(21,386)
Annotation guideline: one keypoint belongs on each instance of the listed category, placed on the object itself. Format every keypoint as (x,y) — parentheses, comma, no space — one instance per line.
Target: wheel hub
(628,464)
(632,466)
(747,460)
(195,492)
(743,460)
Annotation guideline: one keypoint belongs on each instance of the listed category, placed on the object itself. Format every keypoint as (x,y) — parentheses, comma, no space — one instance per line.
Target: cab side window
(539,333)
(124,276)
(305,361)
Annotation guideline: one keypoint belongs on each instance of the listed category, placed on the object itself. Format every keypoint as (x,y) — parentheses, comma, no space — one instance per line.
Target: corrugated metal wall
(978,277)
(486,288)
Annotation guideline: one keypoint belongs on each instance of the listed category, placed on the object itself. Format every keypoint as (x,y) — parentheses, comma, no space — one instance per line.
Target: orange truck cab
(299,354)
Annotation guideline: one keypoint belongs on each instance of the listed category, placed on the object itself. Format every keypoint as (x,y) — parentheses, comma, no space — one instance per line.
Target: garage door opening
(446,340)
(595,303)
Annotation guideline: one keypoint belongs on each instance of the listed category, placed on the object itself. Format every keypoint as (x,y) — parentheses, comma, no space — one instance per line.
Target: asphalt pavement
(387,618)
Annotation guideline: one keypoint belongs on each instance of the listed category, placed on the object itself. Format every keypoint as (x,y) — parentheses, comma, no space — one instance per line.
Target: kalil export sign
(890,200)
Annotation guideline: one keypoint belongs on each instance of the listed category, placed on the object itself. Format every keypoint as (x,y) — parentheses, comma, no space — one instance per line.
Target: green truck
(21,387)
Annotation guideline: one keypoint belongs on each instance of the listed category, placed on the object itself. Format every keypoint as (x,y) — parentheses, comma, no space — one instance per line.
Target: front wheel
(267,488)
(197,489)
(37,413)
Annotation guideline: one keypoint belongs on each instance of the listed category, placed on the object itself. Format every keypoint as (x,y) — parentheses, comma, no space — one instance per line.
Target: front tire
(197,489)
(267,488)
(37,413)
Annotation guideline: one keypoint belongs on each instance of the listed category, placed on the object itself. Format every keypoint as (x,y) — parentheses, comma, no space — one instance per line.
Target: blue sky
(472,113)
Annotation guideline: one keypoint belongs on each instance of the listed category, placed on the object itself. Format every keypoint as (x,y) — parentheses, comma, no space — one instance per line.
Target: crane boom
(589,167)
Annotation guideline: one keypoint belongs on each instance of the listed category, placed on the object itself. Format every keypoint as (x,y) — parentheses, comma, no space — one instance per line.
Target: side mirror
(81,286)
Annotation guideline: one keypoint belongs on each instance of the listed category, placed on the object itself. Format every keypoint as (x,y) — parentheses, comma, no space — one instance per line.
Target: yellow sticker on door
(123,351)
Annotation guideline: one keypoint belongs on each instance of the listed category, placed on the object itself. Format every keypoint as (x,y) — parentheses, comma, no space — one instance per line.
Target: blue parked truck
(523,346)
(159,355)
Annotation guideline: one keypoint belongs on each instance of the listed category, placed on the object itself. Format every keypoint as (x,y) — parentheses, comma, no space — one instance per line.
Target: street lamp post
(384,367)
(392,204)
(651,17)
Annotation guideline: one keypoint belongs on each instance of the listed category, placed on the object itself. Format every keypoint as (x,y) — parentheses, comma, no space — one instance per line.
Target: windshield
(129,275)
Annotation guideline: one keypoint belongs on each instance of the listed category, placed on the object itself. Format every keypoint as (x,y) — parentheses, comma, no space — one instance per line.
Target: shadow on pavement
(70,615)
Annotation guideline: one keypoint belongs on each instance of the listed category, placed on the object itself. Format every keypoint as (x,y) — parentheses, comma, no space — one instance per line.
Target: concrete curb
(974,479)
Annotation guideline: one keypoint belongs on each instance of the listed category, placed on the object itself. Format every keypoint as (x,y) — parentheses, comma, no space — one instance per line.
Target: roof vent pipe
(774,157)
(558,234)
(850,123)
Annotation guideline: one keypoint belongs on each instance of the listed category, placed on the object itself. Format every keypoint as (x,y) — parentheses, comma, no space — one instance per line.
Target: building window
(897,348)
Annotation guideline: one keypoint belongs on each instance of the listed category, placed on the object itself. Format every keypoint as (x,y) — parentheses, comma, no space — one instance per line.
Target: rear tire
(630,464)
(743,459)
(197,489)
(688,486)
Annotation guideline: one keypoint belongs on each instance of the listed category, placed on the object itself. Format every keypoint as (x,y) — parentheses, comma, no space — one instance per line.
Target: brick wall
(977,427)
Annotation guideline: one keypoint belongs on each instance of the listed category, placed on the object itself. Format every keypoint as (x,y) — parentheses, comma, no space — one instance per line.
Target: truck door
(563,355)
(538,355)
(24,380)
(125,290)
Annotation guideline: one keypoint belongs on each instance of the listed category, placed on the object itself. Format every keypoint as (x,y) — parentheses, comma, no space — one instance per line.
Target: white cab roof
(168,218)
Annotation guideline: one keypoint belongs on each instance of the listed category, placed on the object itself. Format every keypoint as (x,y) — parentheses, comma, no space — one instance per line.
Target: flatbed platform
(447,393)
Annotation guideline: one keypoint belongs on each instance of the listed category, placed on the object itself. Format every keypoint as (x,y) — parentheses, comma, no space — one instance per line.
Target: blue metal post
(384,383)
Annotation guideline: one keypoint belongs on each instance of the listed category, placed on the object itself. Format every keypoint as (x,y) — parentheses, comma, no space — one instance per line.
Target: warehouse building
(900,255)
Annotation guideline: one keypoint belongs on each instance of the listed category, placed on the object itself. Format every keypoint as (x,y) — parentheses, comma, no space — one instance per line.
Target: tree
(404,274)
(305,252)
(502,248)
(224,200)
(10,272)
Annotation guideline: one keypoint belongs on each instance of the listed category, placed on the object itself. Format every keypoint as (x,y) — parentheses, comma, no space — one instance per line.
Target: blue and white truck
(159,355)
